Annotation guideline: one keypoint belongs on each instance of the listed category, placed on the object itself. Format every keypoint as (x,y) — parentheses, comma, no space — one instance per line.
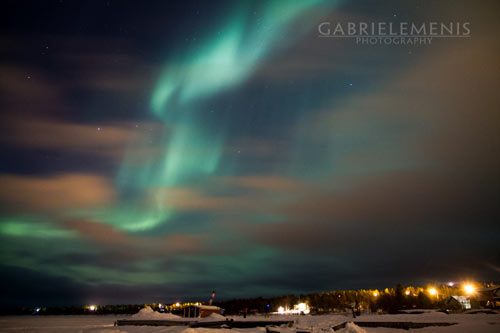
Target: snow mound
(352,328)
(213,317)
(148,313)
(207,330)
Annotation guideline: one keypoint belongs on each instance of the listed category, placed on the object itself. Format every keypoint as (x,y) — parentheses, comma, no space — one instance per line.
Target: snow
(149,313)
(481,323)
(209,307)
(352,328)
(206,330)
(212,317)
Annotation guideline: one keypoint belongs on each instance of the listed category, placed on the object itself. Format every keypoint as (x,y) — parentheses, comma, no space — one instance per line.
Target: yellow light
(177,304)
(432,291)
(469,289)
(281,310)
(301,306)
(407,292)
(375,293)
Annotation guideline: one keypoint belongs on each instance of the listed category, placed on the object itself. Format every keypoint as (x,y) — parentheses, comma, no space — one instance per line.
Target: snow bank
(213,317)
(352,328)
(207,330)
(148,313)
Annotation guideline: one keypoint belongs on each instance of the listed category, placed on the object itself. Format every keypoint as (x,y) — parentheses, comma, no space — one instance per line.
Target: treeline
(389,300)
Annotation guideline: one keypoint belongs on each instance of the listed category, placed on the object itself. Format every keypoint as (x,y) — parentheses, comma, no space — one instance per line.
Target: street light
(469,289)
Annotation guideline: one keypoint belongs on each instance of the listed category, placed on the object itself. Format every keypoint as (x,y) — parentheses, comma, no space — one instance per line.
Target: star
(350,84)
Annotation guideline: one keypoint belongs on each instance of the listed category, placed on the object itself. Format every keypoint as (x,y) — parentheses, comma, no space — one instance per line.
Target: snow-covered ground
(320,324)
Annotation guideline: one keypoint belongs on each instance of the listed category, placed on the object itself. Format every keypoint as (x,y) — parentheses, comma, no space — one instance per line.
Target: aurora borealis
(157,152)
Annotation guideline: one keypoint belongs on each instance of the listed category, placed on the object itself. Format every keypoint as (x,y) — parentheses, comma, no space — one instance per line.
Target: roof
(209,307)
(490,293)
(489,288)
(455,298)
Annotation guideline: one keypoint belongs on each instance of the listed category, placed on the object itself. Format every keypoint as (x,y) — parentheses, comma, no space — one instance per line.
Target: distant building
(490,296)
(457,303)
(200,311)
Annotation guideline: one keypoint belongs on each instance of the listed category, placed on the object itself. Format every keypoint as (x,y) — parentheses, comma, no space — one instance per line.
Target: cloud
(274,183)
(58,135)
(26,84)
(257,147)
(35,113)
(195,200)
(132,245)
(84,67)
(230,194)
(67,191)
(98,140)
(408,171)
(376,205)
(104,72)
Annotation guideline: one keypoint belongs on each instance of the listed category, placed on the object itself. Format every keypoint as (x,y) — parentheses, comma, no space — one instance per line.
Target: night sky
(155,151)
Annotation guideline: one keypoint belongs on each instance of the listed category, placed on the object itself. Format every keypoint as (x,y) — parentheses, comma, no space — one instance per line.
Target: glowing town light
(375,294)
(432,291)
(469,289)
(451,284)
(92,307)
(37,309)
(407,292)
(302,307)
(177,304)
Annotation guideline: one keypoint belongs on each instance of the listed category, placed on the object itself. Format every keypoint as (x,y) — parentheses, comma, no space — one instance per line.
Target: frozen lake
(105,324)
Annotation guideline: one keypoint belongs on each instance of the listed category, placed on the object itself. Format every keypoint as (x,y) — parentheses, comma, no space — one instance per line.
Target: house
(457,303)
(489,296)
(200,311)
